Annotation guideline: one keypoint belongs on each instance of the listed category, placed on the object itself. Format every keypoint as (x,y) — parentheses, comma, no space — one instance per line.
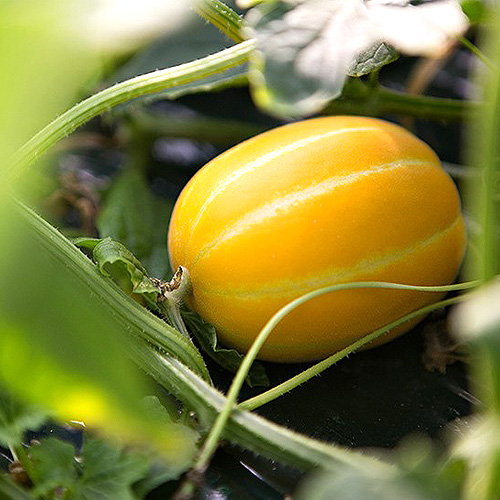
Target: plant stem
(361,99)
(243,428)
(484,151)
(149,83)
(19,454)
(211,443)
(313,371)
(135,319)
(222,17)
(200,128)
(477,52)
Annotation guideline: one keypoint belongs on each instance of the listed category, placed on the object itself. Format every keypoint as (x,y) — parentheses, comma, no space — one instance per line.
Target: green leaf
(109,472)
(475,10)
(133,216)
(305,50)
(86,243)
(117,262)
(230,359)
(375,57)
(16,418)
(422,482)
(53,467)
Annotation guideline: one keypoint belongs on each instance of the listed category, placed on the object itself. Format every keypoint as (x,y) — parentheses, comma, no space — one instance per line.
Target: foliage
(67,330)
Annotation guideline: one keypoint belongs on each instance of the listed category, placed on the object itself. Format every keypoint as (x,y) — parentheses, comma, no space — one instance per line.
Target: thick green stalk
(243,428)
(120,93)
(484,156)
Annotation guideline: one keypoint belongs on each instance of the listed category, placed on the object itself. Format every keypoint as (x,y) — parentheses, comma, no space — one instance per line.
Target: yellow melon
(310,204)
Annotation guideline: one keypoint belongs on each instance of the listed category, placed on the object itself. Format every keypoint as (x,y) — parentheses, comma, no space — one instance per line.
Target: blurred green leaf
(347,483)
(479,448)
(132,215)
(16,418)
(62,346)
(102,470)
(110,472)
(230,359)
(306,49)
(53,467)
(475,10)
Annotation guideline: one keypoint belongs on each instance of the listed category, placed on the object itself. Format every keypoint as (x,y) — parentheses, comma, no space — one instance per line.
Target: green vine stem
(222,17)
(246,429)
(477,52)
(120,93)
(212,441)
(292,383)
(359,98)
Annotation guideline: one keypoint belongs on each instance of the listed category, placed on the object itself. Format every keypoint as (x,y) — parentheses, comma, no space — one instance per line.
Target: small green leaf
(86,243)
(16,418)
(133,216)
(117,262)
(230,359)
(375,57)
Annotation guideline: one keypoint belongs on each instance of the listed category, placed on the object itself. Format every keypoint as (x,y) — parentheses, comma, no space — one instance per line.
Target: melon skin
(311,204)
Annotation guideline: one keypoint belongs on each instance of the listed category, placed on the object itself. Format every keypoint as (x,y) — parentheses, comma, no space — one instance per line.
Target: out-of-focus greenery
(67,332)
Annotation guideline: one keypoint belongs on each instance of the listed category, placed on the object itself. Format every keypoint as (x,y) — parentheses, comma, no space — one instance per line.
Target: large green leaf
(305,51)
